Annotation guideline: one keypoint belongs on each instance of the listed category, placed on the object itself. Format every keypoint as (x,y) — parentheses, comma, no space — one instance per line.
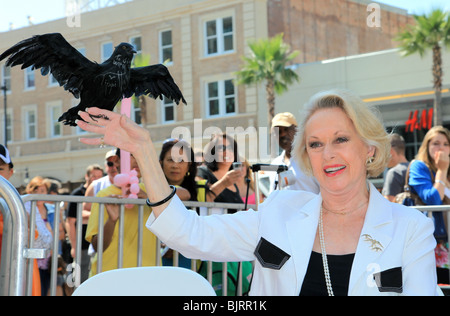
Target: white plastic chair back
(146,281)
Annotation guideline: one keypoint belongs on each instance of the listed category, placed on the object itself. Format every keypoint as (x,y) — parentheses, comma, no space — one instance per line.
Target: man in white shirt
(287,127)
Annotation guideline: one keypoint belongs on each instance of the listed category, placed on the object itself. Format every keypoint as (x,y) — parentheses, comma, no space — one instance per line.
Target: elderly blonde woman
(348,240)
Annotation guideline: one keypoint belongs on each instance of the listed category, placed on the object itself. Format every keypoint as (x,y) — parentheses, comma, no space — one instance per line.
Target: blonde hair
(423,154)
(366,120)
(35,183)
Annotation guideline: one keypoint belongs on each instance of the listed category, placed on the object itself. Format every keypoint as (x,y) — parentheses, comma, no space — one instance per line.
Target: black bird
(101,85)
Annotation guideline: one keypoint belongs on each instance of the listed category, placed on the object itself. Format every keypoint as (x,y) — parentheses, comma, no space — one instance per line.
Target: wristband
(441,182)
(174,190)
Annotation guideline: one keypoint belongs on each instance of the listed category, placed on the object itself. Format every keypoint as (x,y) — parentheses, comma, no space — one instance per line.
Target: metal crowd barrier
(429,211)
(11,251)
(14,246)
(17,251)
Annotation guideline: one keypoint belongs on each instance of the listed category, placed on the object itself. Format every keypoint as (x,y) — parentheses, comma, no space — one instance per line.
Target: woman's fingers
(101,114)
(91,141)
(116,129)
(89,127)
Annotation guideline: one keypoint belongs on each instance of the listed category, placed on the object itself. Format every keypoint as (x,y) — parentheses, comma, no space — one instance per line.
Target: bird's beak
(134,51)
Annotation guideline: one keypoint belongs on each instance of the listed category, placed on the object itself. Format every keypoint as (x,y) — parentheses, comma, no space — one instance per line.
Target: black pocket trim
(390,280)
(270,256)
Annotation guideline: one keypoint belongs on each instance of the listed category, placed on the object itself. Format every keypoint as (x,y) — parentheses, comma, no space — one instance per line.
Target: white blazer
(393,236)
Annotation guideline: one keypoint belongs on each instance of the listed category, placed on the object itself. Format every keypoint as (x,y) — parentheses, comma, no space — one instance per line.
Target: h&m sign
(424,121)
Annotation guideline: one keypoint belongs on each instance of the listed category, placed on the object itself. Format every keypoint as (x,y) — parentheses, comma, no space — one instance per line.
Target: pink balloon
(134,188)
(134,180)
(121,180)
(133,173)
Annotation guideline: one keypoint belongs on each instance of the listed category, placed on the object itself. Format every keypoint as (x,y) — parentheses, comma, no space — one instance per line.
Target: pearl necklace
(324,256)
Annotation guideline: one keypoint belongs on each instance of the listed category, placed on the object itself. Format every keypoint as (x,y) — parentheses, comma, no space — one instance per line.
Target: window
(30,124)
(55,112)
(136,111)
(9,128)
(29,78)
(219,36)
(107,50)
(6,78)
(137,43)
(78,130)
(221,98)
(168,110)
(165,47)
(52,81)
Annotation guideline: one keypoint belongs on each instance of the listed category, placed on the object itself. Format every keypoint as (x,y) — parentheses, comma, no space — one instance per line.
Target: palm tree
(431,31)
(268,62)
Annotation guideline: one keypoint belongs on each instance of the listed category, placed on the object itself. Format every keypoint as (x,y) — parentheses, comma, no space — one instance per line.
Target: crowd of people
(331,154)
(185,174)
(427,176)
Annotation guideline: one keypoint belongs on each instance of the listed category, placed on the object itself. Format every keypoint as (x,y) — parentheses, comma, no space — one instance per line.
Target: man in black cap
(6,165)
(6,171)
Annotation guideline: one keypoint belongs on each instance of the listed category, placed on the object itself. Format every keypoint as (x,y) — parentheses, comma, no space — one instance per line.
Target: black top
(72,212)
(340,268)
(226,196)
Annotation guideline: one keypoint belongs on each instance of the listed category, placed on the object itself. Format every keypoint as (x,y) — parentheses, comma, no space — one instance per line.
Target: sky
(17,11)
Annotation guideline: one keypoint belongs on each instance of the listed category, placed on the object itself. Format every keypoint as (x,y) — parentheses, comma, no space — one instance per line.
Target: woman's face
(5,171)
(336,151)
(175,168)
(42,189)
(225,151)
(438,143)
(94,175)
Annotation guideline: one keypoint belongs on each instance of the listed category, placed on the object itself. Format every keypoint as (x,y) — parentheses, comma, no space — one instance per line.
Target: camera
(237,166)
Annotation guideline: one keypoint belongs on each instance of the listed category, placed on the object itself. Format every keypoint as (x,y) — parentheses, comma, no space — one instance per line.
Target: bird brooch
(375,245)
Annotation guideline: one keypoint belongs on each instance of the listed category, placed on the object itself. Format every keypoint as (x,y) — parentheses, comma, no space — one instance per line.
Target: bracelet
(174,190)
(441,182)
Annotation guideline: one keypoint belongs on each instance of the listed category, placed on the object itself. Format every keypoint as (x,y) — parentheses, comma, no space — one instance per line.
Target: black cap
(5,157)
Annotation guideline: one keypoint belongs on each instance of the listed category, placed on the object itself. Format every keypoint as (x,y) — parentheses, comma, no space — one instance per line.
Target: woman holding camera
(222,178)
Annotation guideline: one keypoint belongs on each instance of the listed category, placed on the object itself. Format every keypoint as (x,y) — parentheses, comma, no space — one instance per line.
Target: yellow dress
(130,242)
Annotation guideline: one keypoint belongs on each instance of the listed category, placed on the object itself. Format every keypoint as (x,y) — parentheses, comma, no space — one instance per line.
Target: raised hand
(117,130)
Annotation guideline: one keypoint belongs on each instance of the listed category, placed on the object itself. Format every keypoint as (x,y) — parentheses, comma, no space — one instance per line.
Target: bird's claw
(100,116)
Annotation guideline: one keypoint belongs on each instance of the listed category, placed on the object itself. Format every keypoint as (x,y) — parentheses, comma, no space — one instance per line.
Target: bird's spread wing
(54,54)
(154,81)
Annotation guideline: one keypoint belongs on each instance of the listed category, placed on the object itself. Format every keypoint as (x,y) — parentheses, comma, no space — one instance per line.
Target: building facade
(202,42)
(401,88)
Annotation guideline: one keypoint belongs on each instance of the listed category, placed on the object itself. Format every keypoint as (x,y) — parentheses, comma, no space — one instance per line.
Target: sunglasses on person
(225,148)
(110,164)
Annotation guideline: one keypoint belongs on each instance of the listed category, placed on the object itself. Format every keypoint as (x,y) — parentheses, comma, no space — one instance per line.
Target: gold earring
(369,160)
